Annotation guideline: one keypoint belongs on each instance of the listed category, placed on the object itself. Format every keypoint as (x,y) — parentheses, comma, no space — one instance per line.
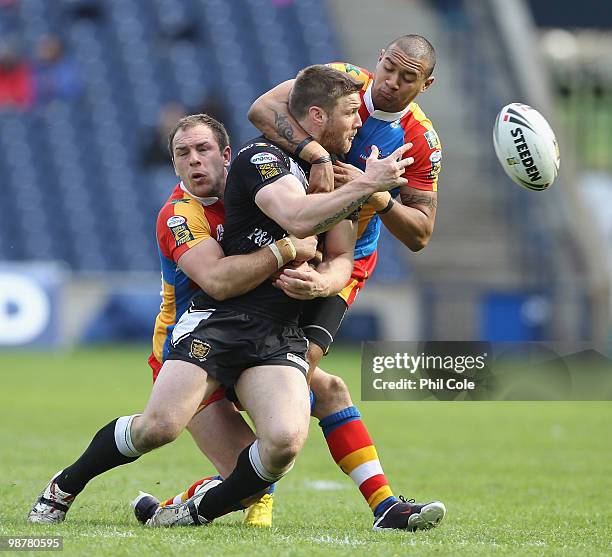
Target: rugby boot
(51,505)
(144,506)
(411,516)
(182,514)
(260,513)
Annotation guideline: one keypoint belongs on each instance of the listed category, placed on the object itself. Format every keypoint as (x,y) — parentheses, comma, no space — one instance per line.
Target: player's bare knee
(158,431)
(330,390)
(284,445)
(281,457)
(338,391)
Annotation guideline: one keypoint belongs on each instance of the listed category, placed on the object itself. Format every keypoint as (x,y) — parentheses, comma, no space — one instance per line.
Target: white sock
(123,436)
(259,467)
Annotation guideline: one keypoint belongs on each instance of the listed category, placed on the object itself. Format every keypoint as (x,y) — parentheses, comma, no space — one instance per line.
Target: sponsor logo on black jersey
(263,158)
(269,170)
(261,237)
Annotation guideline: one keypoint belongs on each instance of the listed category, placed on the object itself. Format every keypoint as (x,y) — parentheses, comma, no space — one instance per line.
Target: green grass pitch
(517,478)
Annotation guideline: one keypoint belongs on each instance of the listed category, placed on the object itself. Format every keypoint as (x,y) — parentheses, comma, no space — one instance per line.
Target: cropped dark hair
(320,86)
(417,47)
(192,120)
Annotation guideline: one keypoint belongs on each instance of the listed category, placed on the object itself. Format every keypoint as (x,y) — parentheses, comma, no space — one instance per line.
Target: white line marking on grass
(325,485)
(337,541)
(104,534)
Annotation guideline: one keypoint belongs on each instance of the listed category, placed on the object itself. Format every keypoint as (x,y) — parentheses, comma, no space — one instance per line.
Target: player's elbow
(218,295)
(252,114)
(417,244)
(215,288)
(417,236)
(419,241)
(299,228)
(218,292)
(255,112)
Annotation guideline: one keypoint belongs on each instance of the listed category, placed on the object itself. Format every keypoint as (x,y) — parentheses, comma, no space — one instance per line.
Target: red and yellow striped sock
(351,447)
(189,492)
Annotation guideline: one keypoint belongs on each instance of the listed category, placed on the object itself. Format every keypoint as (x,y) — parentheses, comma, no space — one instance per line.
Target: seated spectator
(16,83)
(155,152)
(56,75)
(89,10)
(212,103)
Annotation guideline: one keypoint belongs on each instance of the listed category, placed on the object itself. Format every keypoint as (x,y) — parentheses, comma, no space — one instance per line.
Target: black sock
(243,482)
(101,455)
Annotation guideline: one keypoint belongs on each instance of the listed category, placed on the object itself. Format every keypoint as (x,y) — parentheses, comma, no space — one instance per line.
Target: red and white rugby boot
(51,505)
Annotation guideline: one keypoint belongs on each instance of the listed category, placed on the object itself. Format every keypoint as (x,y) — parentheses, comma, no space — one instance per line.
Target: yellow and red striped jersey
(388,131)
(183,222)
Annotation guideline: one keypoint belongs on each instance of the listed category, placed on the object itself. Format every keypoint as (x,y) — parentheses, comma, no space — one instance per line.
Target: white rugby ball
(526,146)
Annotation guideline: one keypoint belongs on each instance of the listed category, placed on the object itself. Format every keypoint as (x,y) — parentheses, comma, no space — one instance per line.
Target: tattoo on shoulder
(428,201)
(284,128)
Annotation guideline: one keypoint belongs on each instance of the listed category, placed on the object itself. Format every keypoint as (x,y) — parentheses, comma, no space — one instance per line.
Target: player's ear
(317,115)
(428,83)
(227,155)
(380,56)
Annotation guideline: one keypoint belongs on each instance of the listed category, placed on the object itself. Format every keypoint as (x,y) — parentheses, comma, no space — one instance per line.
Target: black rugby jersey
(248,229)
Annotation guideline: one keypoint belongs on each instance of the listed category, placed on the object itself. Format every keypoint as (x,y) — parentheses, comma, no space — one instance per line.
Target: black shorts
(321,319)
(224,343)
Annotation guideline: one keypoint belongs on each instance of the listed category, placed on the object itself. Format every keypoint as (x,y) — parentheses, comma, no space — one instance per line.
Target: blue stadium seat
(73,172)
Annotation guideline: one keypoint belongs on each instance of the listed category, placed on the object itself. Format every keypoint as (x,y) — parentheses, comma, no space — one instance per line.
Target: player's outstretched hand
(344,173)
(386,174)
(306,248)
(304,283)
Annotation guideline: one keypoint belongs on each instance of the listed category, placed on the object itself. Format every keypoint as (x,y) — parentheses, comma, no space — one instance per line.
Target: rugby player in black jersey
(257,333)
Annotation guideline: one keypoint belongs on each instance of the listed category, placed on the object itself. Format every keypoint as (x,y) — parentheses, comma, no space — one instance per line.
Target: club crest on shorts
(199,349)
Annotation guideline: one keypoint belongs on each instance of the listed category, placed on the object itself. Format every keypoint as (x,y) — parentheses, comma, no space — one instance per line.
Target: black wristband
(301,146)
(322,160)
(387,208)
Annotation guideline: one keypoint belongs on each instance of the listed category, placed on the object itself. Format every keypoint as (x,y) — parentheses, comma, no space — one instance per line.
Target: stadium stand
(74,187)
(72,170)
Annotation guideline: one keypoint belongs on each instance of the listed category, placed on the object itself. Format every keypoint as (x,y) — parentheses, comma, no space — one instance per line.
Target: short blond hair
(193,120)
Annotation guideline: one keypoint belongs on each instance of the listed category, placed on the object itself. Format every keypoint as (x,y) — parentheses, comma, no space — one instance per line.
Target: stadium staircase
(495,244)
(473,249)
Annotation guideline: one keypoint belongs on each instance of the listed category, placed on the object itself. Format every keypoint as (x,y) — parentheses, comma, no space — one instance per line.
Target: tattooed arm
(285,201)
(412,220)
(270,115)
